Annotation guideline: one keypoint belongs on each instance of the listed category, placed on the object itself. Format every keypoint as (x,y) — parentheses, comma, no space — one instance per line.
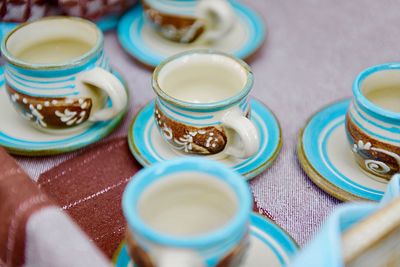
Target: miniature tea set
(202,136)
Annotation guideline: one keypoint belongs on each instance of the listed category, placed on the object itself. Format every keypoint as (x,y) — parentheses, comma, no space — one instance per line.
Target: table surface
(313,51)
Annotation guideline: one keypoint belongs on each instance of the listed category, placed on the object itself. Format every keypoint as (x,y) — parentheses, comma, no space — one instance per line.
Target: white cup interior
(382,88)
(52,29)
(202,78)
(187,204)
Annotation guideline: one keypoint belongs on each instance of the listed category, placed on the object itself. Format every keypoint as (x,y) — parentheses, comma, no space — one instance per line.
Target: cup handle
(179,258)
(219,17)
(112,86)
(247,132)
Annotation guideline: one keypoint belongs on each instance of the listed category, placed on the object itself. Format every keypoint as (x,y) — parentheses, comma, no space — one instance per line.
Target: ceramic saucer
(20,138)
(270,246)
(148,147)
(143,43)
(326,157)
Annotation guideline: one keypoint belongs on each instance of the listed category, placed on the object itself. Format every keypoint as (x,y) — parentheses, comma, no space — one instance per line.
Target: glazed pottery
(105,23)
(270,246)
(60,90)
(325,156)
(20,138)
(184,21)
(148,147)
(202,104)
(142,41)
(187,212)
(373,121)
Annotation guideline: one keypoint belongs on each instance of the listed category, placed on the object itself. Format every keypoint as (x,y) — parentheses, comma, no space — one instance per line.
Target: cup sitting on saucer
(187,212)
(373,121)
(202,105)
(185,21)
(57,77)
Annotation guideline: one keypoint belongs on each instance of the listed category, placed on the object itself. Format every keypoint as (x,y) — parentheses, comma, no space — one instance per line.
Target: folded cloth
(35,232)
(89,188)
(326,247)
(23,10)
(94,9)
(28,10)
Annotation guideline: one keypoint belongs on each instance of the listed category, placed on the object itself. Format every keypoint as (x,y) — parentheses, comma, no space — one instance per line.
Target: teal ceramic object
(20,138)
(148,147)
(326,157)
(270,246)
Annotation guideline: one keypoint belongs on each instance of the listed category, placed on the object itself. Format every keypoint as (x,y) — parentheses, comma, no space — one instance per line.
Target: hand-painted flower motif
(35,115)
(71,117)
(375,166)
(190,139)
(361,146)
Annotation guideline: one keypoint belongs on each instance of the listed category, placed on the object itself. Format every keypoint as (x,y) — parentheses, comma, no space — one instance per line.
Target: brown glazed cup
(202,105)
(373,121)
(57,91)
(185,21)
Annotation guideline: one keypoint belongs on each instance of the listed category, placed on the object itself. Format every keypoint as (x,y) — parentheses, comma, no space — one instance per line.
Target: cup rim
(148,175)
(203,106)
(68,64)
(365,102)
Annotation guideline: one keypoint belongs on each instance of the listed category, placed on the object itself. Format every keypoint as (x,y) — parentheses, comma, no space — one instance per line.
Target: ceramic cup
(187,212)
(202,105)
(57,76)
(185,21)
(373,120)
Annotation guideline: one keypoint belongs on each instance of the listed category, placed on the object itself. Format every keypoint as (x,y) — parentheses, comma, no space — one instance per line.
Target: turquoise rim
(142,180)
(106,23)
(76,62)
(316,152)
(131,41)
(364,103)
(284,245)
(271,142)
(203,106)
(34,148)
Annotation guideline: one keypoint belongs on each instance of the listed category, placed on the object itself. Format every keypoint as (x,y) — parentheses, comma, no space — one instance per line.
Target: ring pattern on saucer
(20,138)
(327,158)
(270,246)
(143,43)
(148,147)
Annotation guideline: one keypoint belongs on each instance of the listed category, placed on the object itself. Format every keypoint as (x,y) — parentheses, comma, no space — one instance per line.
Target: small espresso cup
(202,105)
(373,121)
(185,21)
(57,76)
(187,212)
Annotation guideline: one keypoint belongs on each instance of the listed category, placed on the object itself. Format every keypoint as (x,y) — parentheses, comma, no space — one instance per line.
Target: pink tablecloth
(314,49)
